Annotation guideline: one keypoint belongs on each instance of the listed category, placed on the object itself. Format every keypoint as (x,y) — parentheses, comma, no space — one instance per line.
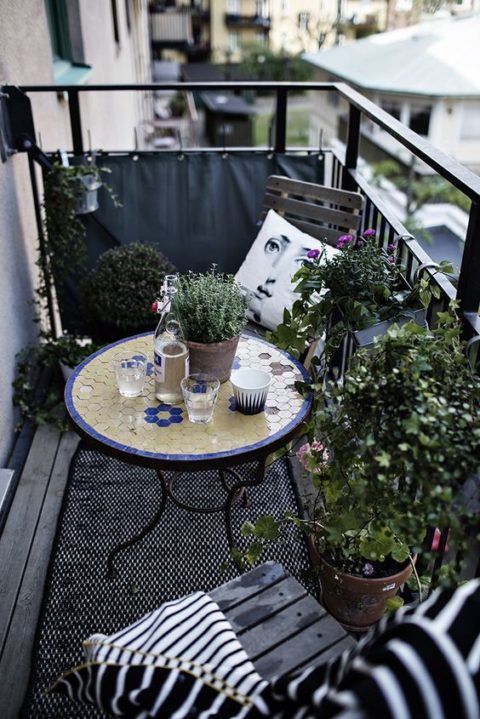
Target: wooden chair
(322,212)
(281,627)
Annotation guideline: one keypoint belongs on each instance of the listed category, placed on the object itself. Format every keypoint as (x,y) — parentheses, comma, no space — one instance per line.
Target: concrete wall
(26,58)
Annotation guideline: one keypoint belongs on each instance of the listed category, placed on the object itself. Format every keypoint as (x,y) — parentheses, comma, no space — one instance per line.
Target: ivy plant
(394,450)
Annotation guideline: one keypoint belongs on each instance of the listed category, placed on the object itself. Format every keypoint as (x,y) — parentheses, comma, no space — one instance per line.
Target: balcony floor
(25,548)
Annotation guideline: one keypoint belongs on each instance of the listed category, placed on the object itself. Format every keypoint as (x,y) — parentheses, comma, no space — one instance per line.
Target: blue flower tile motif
(163,415)
(232,404)
(236,363)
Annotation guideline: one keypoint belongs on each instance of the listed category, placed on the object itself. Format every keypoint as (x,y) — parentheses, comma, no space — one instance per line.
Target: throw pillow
(180,660)
(267,271)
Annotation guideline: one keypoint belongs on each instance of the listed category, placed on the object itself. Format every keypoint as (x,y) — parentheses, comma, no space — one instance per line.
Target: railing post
(281,121)
(468,290)
(75,121)
(351,154)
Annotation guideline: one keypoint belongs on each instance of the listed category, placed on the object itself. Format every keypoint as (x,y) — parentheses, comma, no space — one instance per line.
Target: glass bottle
(170,348)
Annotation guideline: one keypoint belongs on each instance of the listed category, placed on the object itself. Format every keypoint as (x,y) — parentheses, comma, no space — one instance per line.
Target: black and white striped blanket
(183,660)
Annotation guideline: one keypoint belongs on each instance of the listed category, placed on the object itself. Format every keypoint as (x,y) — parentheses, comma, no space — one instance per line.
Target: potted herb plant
(394,445)
(116,293)
(361,287)
(212,311)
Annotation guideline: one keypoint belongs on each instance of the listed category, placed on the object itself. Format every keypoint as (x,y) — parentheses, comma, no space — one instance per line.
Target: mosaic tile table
(141,430)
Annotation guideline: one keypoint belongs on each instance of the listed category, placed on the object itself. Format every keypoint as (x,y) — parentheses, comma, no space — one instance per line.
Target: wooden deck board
(25,546)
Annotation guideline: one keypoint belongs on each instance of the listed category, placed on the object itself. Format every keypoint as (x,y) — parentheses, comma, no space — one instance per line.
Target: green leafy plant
(46,406)
(62,250)
(117,292)
(360,286)
(210,306)
(394,447)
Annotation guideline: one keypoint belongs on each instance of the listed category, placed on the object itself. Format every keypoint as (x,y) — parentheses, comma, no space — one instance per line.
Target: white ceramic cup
(250,387)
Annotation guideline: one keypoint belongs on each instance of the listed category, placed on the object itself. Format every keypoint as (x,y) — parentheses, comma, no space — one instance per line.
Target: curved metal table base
(236,493)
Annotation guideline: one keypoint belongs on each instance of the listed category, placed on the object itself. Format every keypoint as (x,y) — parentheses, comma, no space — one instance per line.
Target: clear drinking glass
(130,372)
(200,394)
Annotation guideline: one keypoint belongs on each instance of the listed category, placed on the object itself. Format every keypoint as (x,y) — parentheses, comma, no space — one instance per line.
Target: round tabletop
(143,430)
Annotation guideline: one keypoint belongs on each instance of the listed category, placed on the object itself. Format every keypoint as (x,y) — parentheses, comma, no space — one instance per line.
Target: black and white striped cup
(250,387)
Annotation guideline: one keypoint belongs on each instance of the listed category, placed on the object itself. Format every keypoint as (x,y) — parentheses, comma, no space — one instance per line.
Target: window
(392,107)
(303,20)
(261,9)
(233,41)
(260,39)
(470,127)
(66,41)
(116,30)
(420,119)
(58,27)
(285,7)
(127,15)
(233,7)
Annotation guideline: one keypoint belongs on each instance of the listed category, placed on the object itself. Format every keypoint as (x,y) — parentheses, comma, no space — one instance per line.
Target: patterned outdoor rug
(106,503)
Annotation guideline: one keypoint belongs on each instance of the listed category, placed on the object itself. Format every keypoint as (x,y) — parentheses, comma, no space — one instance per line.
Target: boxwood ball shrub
(118,291)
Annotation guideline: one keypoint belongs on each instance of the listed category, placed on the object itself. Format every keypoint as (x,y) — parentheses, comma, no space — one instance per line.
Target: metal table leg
(141,535)
(233,494)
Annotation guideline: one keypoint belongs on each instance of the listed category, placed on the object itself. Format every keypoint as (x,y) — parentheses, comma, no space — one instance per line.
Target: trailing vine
(61,252)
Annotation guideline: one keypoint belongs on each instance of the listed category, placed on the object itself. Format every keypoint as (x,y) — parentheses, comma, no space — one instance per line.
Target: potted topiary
(212,311)
(359,291)
(394,445)
(116,293)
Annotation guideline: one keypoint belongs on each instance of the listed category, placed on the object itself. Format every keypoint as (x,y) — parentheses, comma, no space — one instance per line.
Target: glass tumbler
(200,394)
(130,373)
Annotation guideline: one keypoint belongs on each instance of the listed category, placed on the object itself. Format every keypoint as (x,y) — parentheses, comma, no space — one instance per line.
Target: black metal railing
(344,172)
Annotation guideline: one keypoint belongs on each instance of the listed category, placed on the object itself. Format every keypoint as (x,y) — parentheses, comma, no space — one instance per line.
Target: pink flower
(436,541)
(313,457)
(154,307)
(344,240)
(313,254)
(369,233)
(301,454)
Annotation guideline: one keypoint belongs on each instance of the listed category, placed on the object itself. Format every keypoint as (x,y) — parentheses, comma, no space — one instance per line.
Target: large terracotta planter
(356,602)
(213,358)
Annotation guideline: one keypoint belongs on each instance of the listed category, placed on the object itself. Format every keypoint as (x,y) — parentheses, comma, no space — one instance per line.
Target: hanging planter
(86,200)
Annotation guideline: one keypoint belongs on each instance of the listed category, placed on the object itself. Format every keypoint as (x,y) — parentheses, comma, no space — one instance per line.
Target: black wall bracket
(17,130)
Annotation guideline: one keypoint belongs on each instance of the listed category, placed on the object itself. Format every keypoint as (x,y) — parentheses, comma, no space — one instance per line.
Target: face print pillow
(277,253)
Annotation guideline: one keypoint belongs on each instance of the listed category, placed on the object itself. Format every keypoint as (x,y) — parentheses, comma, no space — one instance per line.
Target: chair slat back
(323,212)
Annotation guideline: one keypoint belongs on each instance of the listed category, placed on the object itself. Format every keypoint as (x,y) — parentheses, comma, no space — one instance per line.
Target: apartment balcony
(171,27)
(198,205)
(238,21)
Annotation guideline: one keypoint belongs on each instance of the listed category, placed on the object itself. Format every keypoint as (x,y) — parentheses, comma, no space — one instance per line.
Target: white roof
(438,58)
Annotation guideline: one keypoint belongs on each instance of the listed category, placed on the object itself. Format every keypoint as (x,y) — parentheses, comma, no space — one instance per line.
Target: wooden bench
(281,627)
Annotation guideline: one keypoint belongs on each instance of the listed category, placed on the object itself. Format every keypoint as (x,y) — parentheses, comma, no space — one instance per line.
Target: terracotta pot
(356,602)
(213,358)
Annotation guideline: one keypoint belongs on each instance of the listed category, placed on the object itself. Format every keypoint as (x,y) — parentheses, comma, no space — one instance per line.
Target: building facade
(424,75)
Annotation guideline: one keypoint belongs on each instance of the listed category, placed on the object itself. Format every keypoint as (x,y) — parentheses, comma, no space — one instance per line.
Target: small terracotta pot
(213,358)
(356,602)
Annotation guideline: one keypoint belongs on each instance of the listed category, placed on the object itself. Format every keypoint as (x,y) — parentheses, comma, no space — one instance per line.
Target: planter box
(366,337)
(361,339)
